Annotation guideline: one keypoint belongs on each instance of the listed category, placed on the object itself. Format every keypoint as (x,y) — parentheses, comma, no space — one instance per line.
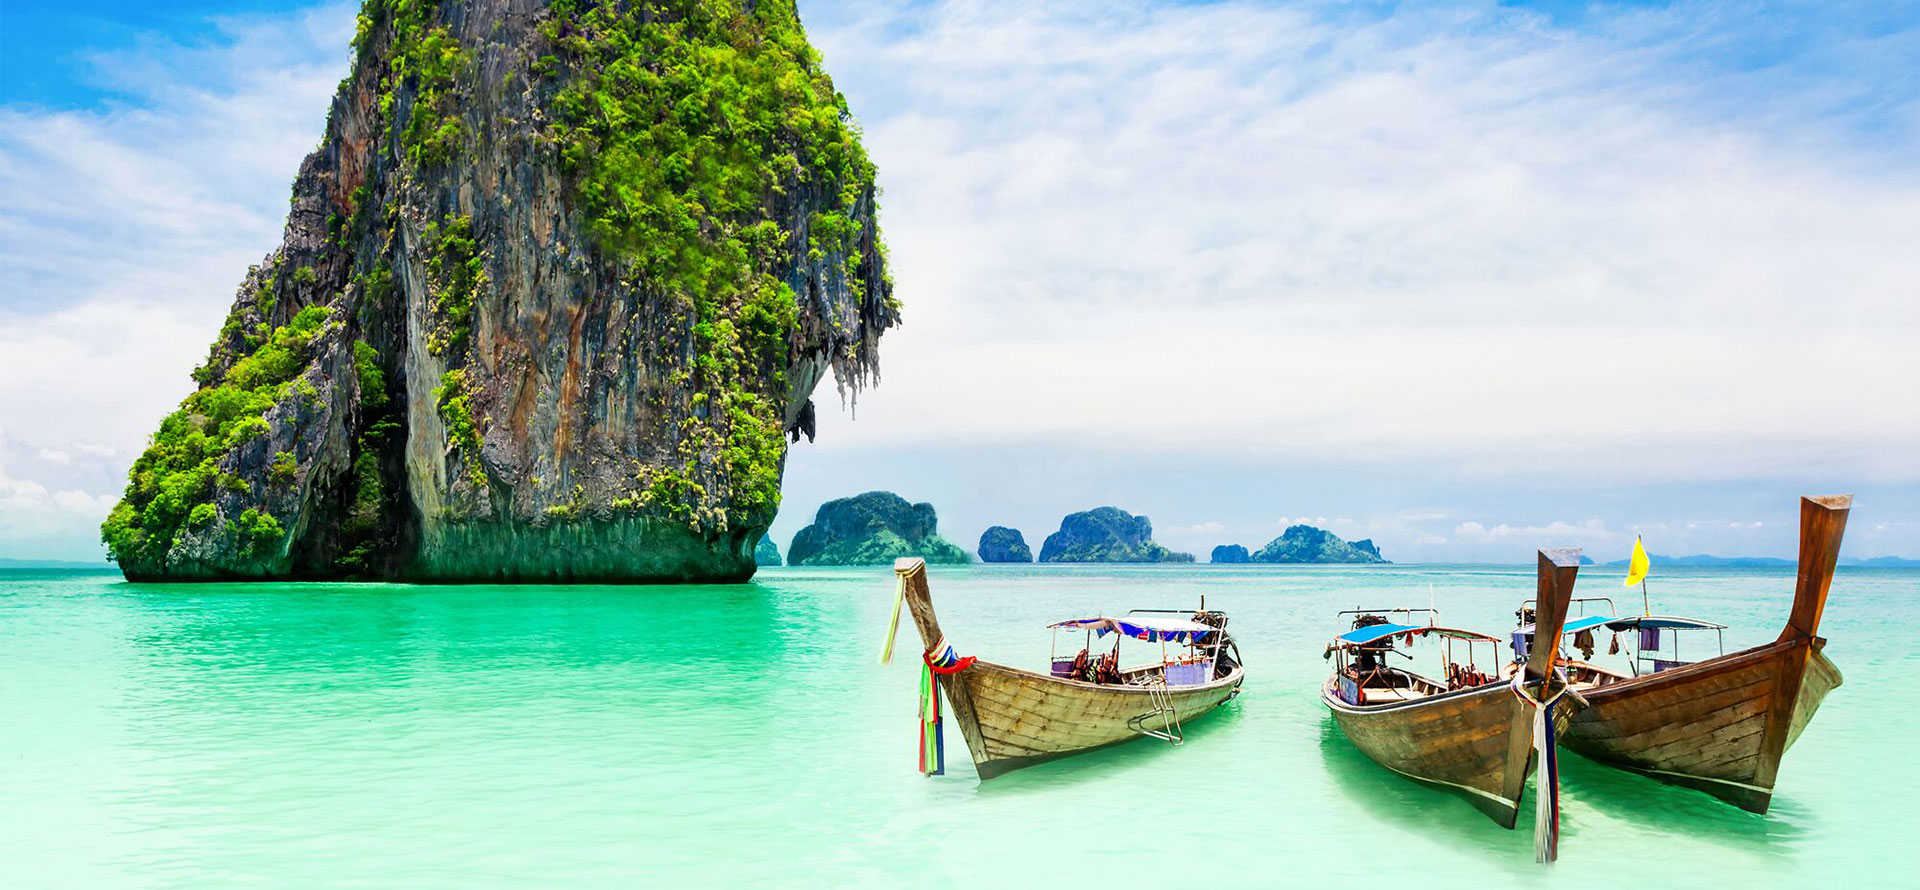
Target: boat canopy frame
(1181,631)
(1618,624)
(1345,642)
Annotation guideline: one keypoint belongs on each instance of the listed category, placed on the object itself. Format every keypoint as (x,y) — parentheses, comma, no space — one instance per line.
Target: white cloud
(76,501)
(1556,531)
(1453,235)
(1204,528)
(38,523)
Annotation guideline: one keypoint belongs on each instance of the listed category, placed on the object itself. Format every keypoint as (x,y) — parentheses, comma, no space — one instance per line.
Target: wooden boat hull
(1476,741)
(1462,741)
(1023,718)
(1718,726)
(1012,718)
(1722,725)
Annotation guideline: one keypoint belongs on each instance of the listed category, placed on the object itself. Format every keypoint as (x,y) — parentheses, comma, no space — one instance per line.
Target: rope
(1546,813)
(893,627)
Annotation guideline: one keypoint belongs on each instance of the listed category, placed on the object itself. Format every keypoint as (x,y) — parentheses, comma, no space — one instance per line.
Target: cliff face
(1003,544)
(1106,534)
(872,529)
(1304,543)
(554,286)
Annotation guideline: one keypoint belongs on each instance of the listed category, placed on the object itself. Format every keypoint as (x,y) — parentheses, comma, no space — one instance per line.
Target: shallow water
(385,735)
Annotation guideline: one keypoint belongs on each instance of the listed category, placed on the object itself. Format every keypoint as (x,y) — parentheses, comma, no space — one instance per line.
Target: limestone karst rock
(1306,544)
(872,529)
(1106,534)
(1229,553)
(1003,544)
(554,285)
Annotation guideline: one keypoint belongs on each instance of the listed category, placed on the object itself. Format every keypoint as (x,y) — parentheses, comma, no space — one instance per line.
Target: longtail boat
(1471,732)
(1012,718)
(1719,725)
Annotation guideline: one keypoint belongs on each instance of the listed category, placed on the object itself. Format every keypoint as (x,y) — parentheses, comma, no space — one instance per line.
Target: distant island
(1702,560)
(1305,544)
(767,554)
(872,529)
(1230,554)
(1003,544)
(1883,562)
(1106,534)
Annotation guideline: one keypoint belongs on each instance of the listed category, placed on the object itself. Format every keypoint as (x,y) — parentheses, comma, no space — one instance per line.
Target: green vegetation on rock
(256,530)
(427,58)
(456,274)
(456,411)
(175,477)
(681,124)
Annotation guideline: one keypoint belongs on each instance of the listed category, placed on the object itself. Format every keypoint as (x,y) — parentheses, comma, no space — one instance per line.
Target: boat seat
(1376,695)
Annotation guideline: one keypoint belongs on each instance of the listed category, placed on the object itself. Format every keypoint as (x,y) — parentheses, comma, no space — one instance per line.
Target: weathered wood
(1012,718)
(1556,572)
(1460,740)
(1722,725)
(1477,741)
(1823,520)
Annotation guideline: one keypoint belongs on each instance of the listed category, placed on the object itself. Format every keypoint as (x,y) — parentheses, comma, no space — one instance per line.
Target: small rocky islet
(1106,534)
(1304,544)
(871,529)
(1002,544)
(1229,554)
(879,526)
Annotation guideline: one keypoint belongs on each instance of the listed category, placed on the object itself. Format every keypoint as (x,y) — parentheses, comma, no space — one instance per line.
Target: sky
(1465,278)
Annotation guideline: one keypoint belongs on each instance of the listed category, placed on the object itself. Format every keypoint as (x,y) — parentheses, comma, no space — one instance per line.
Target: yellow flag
(1638,565)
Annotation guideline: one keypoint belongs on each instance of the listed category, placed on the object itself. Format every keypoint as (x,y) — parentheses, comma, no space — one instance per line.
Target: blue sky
(1466,278)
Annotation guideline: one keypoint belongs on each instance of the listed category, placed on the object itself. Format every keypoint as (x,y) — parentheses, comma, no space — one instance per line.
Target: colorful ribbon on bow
(1546,812)
(942,660)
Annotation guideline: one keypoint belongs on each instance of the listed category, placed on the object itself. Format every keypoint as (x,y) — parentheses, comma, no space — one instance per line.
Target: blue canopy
(1153,629)
(1361,636)
(1576,625)
(1618,623)
(1664,622)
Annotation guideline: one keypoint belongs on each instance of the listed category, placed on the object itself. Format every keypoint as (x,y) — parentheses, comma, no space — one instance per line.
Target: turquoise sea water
(382,735)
